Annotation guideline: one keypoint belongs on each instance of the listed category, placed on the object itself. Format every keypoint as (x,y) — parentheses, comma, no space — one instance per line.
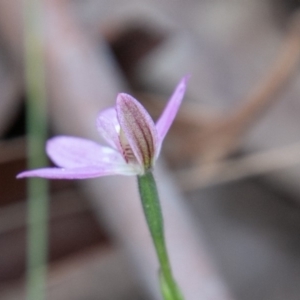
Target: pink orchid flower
(130,131)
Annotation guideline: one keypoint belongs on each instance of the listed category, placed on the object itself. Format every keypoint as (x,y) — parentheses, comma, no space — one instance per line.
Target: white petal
(167,117)
(109,128)
(74,152)
(78,173)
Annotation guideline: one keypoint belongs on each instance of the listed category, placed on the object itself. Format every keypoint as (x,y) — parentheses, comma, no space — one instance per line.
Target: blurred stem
(37,238)
(153,214)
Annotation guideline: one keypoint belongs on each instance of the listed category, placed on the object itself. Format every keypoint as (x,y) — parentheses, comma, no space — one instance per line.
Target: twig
(265,93)
(237,169)
(226,135)
(220,138)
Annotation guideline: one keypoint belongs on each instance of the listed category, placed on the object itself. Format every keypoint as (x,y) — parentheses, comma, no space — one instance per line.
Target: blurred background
(229,173)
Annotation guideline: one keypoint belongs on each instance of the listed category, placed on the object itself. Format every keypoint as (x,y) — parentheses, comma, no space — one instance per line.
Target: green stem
(153,214)
(36,135)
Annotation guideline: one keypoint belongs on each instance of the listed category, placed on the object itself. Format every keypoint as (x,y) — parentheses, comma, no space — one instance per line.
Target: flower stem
(37,189)
(153,214)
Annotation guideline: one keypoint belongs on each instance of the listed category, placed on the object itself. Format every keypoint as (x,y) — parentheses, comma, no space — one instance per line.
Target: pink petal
(109,127)
(167,117)
(77,173)
(138,127)
(74,152)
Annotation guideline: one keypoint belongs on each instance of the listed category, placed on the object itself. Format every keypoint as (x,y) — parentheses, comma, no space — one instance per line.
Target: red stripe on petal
(138,128)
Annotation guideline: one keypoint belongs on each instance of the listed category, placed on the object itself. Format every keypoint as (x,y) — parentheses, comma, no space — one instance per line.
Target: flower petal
(74,152)
(138,127)
(78,173)
(167,117)
(108,126)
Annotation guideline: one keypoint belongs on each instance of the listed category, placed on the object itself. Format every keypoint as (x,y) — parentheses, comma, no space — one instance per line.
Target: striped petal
(139,129)
(167,117)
